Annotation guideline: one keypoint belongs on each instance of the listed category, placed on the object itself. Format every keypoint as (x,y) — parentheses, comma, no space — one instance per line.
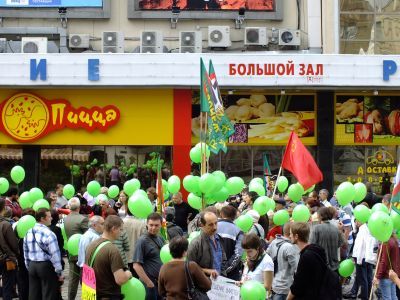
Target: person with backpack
(285,256)
(313,278)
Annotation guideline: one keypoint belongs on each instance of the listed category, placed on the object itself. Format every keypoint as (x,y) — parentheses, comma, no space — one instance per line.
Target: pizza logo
(27,117)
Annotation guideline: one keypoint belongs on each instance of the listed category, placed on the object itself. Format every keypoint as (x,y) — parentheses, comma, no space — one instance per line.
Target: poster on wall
(192,5)
(51,3)
(264,119)
(373,120)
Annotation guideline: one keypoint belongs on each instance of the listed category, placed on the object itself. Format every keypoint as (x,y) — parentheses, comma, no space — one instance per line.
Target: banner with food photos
(367,119)
(265,119)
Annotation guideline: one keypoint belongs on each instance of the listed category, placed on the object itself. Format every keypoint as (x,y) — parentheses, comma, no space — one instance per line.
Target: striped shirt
(346,221)
(47,241)
(122,243)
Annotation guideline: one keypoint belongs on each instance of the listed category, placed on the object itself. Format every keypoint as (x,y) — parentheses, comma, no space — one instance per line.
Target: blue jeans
(9,279)
(279,297)
(388,289)
(364,274)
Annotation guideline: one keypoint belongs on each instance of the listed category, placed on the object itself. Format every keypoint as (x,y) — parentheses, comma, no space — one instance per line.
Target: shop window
(9,157)
(371,25)
(374,164)
(237,162)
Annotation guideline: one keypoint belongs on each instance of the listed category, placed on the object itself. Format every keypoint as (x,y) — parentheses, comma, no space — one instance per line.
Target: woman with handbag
(259,265)
(180,279)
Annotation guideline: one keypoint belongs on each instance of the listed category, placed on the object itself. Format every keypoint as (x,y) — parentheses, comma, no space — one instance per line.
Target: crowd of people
(297,260)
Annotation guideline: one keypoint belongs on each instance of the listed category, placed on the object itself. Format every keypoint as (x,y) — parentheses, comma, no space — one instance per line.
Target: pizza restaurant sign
(26,117)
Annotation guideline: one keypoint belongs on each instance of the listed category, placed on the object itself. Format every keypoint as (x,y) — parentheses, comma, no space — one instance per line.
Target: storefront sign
(373,120)
(265,119)
(51,3)
(27,117)
(261,69)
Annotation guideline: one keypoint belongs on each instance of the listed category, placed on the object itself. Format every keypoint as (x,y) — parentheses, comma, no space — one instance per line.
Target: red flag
(299,161)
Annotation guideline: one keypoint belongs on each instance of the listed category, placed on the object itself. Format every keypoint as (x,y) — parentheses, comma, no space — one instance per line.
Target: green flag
(203,85)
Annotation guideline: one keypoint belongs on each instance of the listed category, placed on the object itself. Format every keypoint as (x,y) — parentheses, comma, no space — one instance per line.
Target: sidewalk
(64,292)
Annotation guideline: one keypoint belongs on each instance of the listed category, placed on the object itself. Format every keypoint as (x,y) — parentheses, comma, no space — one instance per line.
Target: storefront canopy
(59,154)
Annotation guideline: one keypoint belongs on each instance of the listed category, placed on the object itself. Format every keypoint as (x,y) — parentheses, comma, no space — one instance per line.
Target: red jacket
(390,249)
(15,207)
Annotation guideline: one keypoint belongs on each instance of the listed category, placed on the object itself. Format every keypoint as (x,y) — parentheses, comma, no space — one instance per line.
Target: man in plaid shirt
(43,259)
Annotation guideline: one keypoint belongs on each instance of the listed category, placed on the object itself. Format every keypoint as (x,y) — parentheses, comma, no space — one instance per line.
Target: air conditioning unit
(3,45)
(190,42)
(289,37)
(151,42)
(219,36)
(255,36)
(79,41)
(34,45)
(113,42)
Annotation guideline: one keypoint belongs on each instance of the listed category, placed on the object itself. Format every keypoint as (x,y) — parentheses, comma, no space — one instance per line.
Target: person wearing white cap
(256,228)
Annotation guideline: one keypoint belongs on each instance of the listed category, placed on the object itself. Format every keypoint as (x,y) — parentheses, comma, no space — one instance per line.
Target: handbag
(193,292)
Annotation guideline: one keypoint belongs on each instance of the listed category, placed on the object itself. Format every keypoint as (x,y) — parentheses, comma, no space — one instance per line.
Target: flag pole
(279,174)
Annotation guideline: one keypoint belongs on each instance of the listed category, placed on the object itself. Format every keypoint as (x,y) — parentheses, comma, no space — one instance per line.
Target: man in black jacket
(310,277)
(231,240)
(9,250)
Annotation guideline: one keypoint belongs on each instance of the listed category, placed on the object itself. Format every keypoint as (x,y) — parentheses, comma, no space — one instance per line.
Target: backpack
(275,259)
(264,243)
(330,288)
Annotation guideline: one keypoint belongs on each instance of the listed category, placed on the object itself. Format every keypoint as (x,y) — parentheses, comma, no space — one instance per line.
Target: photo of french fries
(268,118)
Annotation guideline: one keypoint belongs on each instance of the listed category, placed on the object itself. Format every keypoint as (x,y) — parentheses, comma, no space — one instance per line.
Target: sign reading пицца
(27,117)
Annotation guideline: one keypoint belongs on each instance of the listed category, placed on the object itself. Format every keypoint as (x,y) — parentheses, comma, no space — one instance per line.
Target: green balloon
(194,234)
(234,185)
(207,183)
(244,222)
(113,191)
(194,201)
(361,192)
(362,213)
(93,188)
(309,190)
(379,207)
(133,289)
(24,224)
(131,186)
(345,193)
(301,213)
(221,195)
(218,184)
(191,183)
(164,184)
(281,217)
(253,290)
(263,204)
(165,255)
(210,199)
(396,220)
(258,188)
(380,225)
(202,147)
(35,194)
(174,184)
(220,174)
(68,191)
(64,235)
(141,192)
(41,203)
(282,183)
(25,200)
(295,192)
(346,268)
(256,180)
(17,174)
(4,185)
(140,206)
(73,244)
(195,155)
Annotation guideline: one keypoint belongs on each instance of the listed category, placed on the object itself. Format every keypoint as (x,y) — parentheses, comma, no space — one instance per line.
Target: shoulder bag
(192,291)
